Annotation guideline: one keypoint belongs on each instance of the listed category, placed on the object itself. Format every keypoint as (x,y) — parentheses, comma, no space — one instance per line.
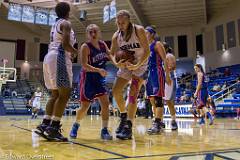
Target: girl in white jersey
(36,103)
(57,69)
(129,37)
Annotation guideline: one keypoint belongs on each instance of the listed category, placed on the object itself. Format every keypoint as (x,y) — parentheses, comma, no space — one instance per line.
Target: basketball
(124,55)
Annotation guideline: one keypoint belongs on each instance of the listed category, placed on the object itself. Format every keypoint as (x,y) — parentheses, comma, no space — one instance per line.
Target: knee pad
(158,101)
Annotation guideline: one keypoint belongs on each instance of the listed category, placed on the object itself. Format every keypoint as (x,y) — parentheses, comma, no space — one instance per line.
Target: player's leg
(135,86)
(104,102)
(118,88)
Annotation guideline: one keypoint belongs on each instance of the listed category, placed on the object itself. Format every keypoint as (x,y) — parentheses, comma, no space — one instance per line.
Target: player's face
(93,34)
(122,23)
(196,69)
(149,35)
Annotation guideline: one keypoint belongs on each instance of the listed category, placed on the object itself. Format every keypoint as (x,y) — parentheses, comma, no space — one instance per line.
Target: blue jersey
(154,61)
(92,84)
(98,57)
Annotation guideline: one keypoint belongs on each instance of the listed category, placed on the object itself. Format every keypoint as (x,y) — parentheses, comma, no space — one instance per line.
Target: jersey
(92,84)
(56,35)
(98,57)
(37,96)
(132,44)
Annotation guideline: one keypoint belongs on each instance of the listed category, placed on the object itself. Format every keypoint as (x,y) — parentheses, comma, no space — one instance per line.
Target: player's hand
(168,80)
(121,64)
(102,72)
(131,66)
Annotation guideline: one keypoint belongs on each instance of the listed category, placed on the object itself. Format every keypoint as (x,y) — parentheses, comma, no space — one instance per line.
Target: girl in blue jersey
(93,58)
(201,94)
(155,86)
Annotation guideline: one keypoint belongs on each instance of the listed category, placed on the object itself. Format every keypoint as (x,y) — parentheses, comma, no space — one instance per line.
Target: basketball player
(201,94)
(130,37)
(57,69)
(156,79)
(94,55)
(36,103)
(170,90)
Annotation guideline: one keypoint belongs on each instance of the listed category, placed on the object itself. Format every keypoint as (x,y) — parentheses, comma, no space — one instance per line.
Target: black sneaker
(174,125)
(123,120)
(126,132)
(105,135)
(40,129)
(156,127)
(54,133)
(162,124)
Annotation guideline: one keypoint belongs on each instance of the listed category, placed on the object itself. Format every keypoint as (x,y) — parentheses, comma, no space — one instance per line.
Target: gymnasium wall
(231,56)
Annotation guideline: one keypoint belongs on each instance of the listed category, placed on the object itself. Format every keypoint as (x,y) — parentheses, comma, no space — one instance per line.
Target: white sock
(46,117)
(54,118)
(174,118)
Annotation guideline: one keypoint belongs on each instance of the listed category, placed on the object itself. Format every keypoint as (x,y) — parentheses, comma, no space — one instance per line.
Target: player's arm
(111,58)
(84,54)
(159,48)
(65,27)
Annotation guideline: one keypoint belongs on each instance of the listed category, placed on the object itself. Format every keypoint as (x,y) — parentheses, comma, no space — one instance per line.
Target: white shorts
(141,72)
(170,90)
(57,70)
(36,104)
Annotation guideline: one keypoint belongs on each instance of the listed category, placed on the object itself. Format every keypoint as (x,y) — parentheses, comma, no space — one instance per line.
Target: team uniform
(92,84)
(57,64)
(132,44)
(156,77)
(202,95)
(36,101)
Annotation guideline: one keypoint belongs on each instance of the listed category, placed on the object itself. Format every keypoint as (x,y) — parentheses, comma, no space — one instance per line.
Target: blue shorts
(92,85)
(155,83)
(202,98)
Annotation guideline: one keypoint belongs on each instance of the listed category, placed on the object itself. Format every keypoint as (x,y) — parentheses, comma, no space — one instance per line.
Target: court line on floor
(181,154)
(83,145)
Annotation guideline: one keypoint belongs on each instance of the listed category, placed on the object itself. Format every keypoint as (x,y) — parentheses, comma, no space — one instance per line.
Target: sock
(104,123)
(47,117)
(54,118)
(174,118)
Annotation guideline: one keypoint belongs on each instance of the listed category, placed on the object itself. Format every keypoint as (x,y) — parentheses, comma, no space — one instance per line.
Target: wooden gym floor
(190,142)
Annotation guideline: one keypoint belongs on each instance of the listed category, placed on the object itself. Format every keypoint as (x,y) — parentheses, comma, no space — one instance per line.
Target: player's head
(38,89)
(198,68)
(151,32)
(168,49)
(123,20)
(62,10)
(93,32)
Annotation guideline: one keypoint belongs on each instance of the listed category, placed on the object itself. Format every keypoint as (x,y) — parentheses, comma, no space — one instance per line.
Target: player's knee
(158,101)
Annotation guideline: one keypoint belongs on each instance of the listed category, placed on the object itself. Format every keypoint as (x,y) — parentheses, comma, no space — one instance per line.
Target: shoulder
(139,29)
(65,24)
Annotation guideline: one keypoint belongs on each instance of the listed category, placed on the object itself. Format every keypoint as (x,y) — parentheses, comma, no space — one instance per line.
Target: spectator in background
(14,93)
(227,72)
(224,85)
(140,107)
(216,88)
(184,97)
